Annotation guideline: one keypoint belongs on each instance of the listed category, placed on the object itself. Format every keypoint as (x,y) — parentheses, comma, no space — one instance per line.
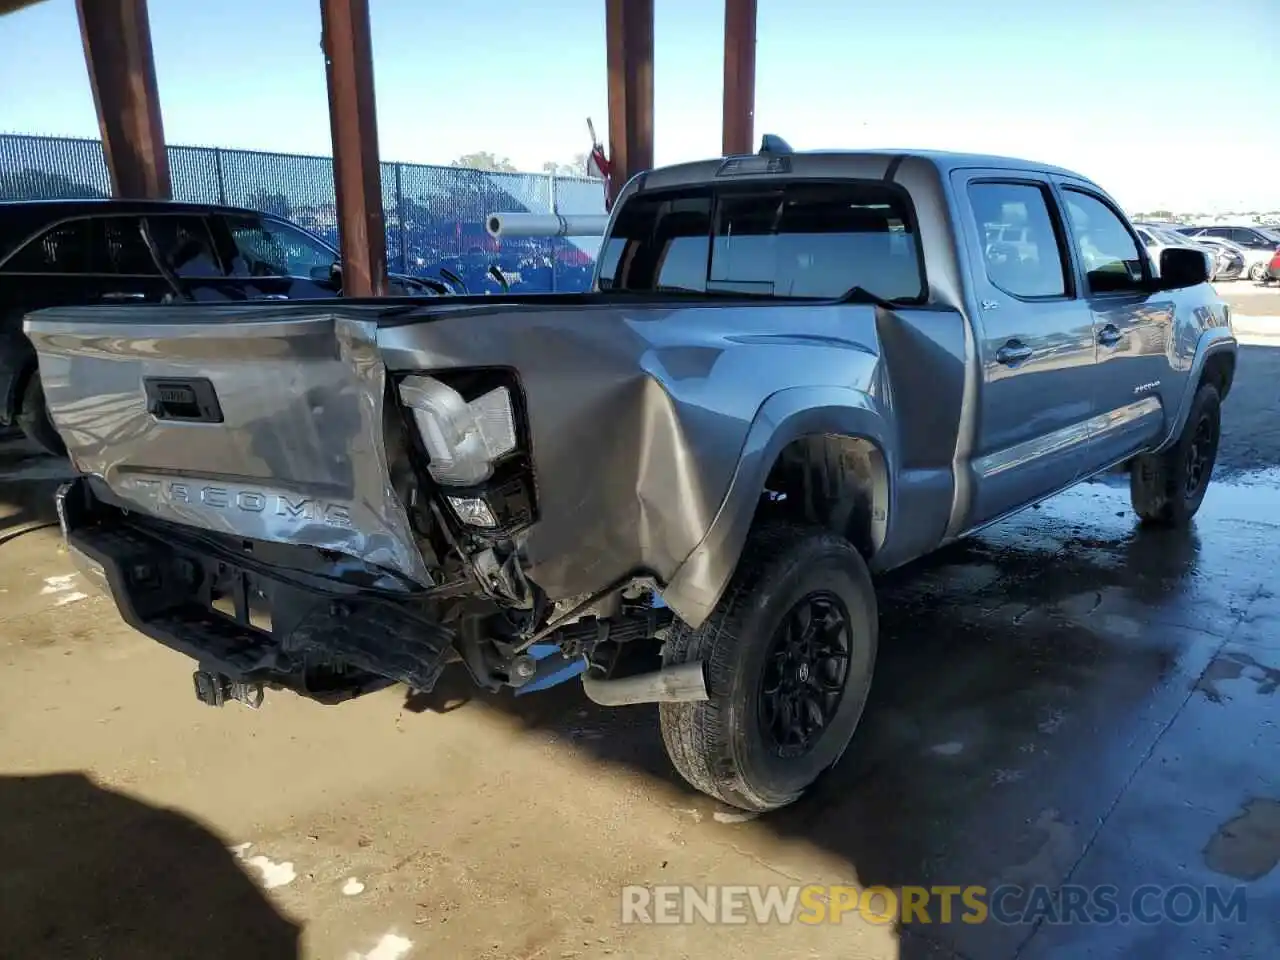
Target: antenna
(772,143)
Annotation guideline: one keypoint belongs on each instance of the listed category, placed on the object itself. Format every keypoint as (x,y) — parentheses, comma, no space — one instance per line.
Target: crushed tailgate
(263,422)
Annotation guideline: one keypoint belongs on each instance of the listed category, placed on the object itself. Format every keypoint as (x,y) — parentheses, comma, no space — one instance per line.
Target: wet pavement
(1066,702)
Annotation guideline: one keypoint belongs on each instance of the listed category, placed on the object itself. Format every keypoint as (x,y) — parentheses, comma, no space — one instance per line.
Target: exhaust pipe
(683,683)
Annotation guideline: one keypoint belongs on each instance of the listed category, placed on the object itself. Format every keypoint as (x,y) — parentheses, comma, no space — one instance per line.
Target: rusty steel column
(629,38)
(122,74)
(348,60)
(739,76)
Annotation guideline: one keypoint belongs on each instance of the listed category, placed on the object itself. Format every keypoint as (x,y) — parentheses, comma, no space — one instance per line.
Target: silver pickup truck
(795,371)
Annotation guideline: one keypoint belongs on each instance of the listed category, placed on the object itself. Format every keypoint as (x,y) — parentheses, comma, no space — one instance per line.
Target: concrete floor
(1065,699)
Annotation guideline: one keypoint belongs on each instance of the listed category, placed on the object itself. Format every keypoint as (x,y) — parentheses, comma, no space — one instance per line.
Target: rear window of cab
(800,240)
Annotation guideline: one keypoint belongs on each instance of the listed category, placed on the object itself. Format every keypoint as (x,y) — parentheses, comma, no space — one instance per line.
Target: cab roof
(877,164)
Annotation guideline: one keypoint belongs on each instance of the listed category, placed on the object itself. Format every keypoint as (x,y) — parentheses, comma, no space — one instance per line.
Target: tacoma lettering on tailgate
(235,499)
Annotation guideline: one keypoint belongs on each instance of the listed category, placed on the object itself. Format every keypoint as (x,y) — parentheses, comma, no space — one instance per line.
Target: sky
(1167,104)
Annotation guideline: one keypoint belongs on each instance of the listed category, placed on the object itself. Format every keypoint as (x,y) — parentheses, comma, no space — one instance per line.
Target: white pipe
(544,225)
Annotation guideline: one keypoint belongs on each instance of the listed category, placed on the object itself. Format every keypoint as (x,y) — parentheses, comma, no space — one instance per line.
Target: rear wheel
(1168,488)
(789,653)
(33,418)
(1258,272)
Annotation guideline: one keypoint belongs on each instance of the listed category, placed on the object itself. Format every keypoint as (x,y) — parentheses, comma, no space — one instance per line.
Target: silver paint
(653,423)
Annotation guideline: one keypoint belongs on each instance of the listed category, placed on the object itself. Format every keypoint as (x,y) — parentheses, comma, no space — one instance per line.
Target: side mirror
(331,274)
(1180,267)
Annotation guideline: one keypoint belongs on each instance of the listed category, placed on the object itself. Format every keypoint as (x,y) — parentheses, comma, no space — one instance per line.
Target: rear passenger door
(86,260)
(1132,326)
(47,271)
(1034,343)
(123,269)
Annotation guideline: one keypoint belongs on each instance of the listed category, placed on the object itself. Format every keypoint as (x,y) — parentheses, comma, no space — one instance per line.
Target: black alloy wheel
(806,667)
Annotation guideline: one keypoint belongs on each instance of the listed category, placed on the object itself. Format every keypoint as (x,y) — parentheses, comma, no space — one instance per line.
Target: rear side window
(120,248)
(803,240)
(60,249)
(1020,244)
(659,243)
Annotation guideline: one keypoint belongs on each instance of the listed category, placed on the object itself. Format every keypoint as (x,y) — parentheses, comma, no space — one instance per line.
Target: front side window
(1251,238)
(801,240)
(184,243)
(270,248)
(1020,242)
(1113,261)
(60,249)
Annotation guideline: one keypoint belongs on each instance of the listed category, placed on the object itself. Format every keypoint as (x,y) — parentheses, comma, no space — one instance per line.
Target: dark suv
(69,252)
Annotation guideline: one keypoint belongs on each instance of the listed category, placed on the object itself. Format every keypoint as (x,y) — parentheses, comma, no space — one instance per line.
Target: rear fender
(695,588)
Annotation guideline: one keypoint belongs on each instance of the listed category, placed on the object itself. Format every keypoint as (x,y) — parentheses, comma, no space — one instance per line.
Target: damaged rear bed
(330,497)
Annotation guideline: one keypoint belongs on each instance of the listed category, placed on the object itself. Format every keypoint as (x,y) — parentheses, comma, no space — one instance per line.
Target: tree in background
(577,167)
(484,160)
(491,163)
(276,203)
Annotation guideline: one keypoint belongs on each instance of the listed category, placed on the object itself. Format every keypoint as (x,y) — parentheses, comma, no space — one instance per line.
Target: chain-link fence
(434,215)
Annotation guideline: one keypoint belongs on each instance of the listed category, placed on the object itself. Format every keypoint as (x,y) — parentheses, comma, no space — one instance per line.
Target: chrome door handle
(1013,353)
(272,296)
(120,296)
(1110,335)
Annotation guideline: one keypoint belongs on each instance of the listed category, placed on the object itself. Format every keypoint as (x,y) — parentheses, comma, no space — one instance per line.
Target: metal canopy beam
(9,6)
(739,76)
(629,38)
(348,53)
(122,74)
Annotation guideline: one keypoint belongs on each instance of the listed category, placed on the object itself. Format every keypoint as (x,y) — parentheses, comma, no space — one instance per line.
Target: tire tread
(696,735)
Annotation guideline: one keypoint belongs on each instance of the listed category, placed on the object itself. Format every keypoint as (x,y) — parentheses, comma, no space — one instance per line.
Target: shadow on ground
(92,873)
(28,480)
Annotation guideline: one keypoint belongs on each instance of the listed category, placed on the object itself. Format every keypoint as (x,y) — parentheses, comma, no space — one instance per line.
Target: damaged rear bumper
(245,619)
(251,621)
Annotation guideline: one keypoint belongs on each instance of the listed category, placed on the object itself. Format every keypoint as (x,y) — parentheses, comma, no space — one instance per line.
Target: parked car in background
(1157,239)
(1230,259)
(71,252)
(1273,268)
(1259,244)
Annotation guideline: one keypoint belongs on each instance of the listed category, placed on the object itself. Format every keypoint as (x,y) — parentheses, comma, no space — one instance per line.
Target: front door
(186,252)
(1034,343)
(1132,326)
(271,258)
